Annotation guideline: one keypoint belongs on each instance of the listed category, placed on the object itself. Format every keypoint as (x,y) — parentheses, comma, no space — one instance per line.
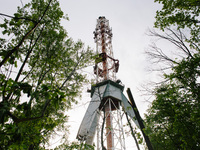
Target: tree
(173,120)
(74,145)
(40,75)
(180,13)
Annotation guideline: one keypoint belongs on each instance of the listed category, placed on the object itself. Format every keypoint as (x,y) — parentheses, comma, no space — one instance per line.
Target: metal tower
(106,66)
(108,103)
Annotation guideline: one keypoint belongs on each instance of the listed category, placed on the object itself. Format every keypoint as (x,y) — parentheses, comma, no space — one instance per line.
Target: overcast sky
(129,20)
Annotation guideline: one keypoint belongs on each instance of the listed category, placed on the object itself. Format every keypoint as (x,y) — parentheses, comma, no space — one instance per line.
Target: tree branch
(27,56)
(70,75)
(17,18)
(24,37)
(17,120)
(102,128)
(17,47)
(132,132)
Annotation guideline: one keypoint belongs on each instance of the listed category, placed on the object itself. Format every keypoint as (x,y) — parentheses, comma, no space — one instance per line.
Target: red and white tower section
(103,117)
(106,66)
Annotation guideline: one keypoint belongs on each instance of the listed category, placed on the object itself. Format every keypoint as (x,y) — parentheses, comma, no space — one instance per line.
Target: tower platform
(101,94)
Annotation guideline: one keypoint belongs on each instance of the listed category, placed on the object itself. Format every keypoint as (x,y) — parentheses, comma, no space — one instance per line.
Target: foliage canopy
(180,13)
(40,75)
(173,120)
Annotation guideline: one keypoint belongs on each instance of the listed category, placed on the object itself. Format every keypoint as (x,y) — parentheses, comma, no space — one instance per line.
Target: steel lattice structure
(108,103)
(106,66)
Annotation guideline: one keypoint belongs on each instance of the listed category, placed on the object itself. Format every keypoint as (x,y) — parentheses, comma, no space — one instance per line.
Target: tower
(108,103)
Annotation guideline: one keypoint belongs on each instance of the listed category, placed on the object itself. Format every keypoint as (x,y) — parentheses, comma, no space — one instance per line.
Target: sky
(130,21)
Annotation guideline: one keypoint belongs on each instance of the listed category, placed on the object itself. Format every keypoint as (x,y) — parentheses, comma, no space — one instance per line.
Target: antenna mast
(106,66)
(108,103)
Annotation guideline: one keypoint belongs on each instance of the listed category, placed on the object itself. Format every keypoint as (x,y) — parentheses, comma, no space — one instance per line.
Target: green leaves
(169,118)
(74,146)
(40,76)
(179,13)
(172,121)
